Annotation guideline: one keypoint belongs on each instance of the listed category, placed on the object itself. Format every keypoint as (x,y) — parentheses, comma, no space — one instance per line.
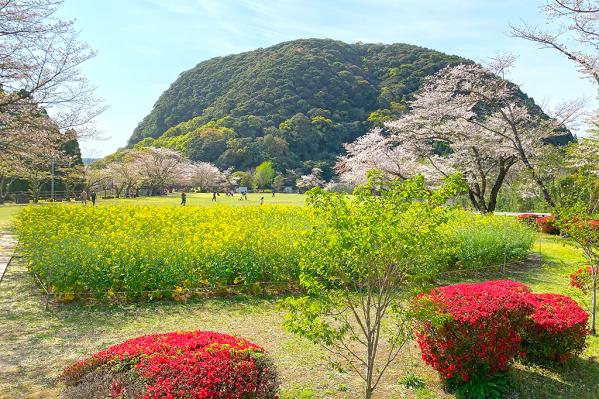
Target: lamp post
(52,180)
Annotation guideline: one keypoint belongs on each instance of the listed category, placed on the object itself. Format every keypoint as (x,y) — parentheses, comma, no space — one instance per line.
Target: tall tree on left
(42,90)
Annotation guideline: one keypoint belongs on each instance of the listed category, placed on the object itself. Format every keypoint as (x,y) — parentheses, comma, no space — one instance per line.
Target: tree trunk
(526,162)
(476,203)
(504,167)
(594,309)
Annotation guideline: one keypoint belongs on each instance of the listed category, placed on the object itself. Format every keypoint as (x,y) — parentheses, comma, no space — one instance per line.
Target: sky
(143,45)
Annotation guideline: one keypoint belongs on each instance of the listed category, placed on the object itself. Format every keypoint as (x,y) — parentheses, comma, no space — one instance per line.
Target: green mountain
(294,103)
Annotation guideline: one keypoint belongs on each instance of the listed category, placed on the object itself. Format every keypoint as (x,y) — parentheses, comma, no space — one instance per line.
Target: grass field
(36,344)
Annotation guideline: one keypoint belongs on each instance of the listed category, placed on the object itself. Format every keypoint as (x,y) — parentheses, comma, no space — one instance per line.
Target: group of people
(244,196)
(83,197)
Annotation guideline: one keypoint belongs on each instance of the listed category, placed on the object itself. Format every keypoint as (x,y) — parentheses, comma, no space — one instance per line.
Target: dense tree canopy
(295,103)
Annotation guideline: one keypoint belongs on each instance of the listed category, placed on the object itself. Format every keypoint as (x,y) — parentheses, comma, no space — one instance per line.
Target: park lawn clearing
(35,344)
(7,213)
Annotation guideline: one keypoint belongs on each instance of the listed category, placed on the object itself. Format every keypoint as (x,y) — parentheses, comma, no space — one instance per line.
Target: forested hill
(294,103)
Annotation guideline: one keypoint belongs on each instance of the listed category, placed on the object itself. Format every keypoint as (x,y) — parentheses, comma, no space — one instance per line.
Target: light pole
(52,181)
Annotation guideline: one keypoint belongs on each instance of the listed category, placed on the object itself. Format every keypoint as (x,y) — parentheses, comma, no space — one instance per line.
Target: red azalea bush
(466,329)
(557,329)
(528,218)
(186,364)
(546,224)
(582,279)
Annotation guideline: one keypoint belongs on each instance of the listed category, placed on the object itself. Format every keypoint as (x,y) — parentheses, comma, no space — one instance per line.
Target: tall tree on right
(465,119)
(576,34)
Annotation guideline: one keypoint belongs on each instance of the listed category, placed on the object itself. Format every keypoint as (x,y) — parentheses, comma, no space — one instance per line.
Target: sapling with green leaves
(359,265)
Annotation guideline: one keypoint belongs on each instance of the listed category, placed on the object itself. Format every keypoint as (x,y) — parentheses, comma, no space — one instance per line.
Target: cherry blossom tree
(204,175)
(124,173)
(40,63)
(40,57)
(8,175)
(464,119)
(375,150)
(314,179)
(96,179)
(159,167)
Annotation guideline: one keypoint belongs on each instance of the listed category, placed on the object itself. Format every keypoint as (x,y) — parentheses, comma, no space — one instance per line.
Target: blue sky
(143,45)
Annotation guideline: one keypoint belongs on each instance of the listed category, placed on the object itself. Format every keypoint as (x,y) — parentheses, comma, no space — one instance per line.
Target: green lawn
(7,212)
(36,344)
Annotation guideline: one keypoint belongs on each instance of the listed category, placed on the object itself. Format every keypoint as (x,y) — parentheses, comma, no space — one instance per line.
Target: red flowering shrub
(528,218)
(546,224)
(187,364)
(466,329)
(583,278)
(557,329)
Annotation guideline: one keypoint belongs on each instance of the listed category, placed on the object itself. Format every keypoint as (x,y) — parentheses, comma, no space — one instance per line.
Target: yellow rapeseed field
(156,252)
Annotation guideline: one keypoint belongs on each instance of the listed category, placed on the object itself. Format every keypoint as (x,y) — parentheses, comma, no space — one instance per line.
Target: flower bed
(466,329)
(557,329)
(198,364)
(477,241)
(150,252)
(528,218)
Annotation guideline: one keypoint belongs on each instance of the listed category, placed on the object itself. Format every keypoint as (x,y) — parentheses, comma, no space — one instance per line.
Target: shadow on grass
(37,344)
(578,379)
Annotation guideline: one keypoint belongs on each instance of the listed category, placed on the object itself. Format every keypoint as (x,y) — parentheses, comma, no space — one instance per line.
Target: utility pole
(52,181)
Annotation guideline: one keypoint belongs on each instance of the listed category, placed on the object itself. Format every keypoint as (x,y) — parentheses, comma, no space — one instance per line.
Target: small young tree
(361,261)
(576,223)
(264,175)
